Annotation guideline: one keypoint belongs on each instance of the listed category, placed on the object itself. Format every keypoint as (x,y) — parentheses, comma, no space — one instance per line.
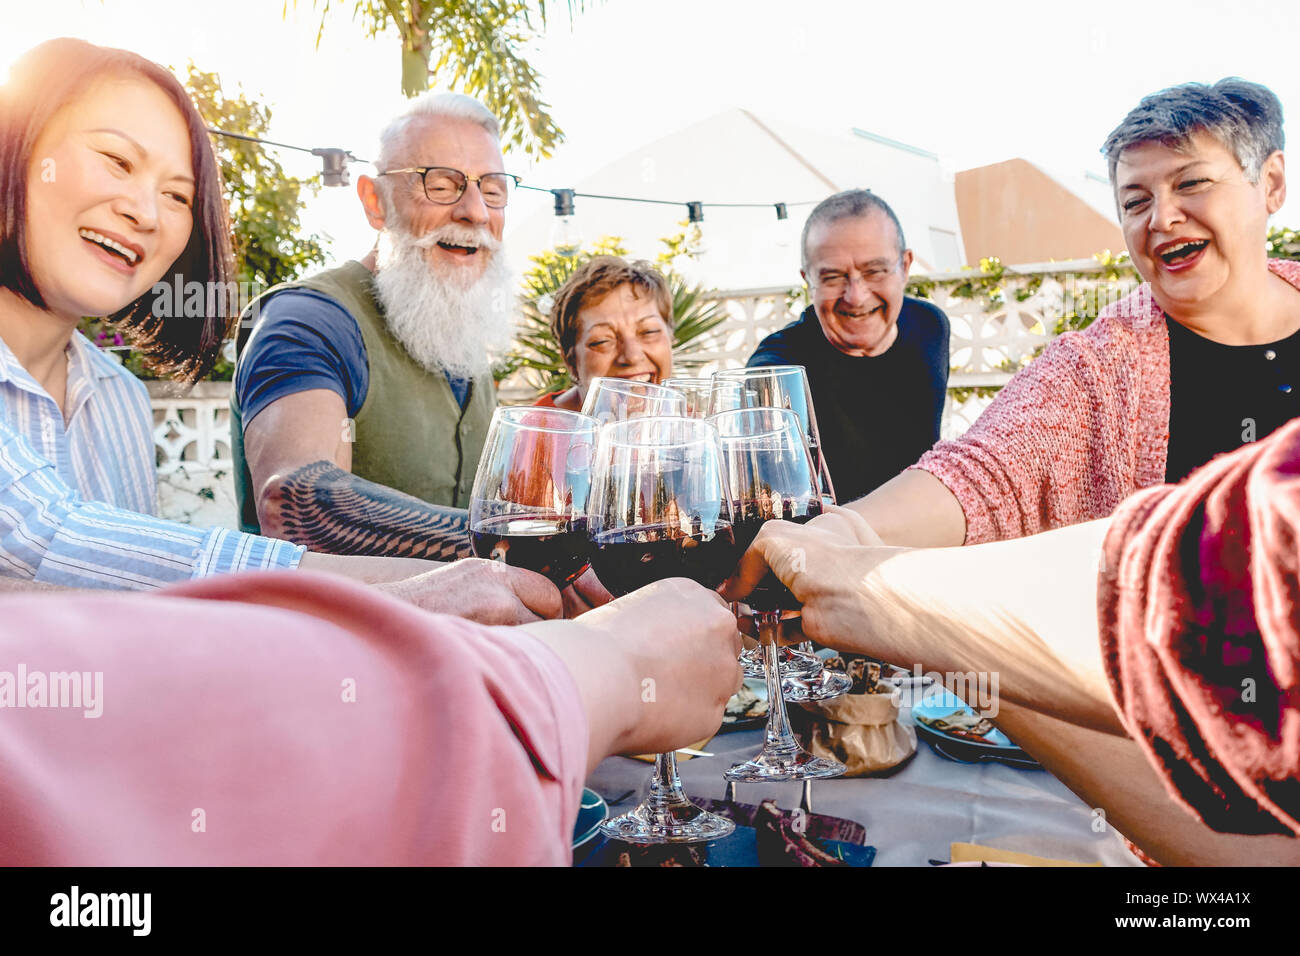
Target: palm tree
(474,47)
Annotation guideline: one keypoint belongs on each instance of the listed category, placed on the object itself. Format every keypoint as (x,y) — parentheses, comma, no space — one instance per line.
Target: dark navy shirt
(305,340)
(1224,396)
(877,414)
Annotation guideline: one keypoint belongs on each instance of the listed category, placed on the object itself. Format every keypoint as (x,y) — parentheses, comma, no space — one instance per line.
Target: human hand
(584,594)
(488,592)
(827,569)
(675,647)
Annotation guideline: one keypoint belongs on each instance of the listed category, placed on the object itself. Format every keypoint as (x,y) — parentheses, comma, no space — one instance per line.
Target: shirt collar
(89,360)
(9,365)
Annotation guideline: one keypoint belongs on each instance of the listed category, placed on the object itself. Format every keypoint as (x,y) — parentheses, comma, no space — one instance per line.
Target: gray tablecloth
(914,815)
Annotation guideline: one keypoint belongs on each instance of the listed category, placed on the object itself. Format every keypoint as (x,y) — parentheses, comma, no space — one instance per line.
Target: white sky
(975,83)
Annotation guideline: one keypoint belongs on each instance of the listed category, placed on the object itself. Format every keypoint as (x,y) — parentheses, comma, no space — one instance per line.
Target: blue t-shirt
(305,340)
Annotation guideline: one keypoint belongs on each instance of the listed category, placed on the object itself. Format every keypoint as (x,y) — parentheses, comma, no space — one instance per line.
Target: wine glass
(618,399)
(696,391)
(771,476)
(785,386)
(726,395)
(659,509)
(529,503)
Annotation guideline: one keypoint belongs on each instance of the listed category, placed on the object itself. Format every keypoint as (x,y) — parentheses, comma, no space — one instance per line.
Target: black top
(876,415)
(1223,396)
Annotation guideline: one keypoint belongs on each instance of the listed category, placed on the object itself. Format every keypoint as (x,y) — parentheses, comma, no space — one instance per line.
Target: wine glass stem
(665,785)
(780,738)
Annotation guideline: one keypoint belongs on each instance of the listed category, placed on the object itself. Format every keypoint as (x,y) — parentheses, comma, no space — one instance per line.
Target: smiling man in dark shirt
(877,360)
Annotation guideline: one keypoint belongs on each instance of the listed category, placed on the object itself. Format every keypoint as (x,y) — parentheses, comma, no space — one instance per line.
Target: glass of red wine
(528,508)
(771,476)
(786,386)
(659,509)
(618,399)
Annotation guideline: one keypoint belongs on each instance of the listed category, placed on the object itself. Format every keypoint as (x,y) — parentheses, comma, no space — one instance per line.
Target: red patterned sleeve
(1199,612)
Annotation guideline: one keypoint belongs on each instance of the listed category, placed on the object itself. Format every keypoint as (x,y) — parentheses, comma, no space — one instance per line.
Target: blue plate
(945,703)
(592,811)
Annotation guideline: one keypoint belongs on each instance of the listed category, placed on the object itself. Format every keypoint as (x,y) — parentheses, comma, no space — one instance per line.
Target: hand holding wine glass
(772,478)
(659,509)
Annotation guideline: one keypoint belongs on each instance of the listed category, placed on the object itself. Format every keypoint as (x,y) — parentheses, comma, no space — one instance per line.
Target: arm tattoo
(330,510)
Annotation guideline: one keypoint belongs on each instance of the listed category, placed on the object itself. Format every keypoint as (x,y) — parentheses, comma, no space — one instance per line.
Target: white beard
(455,323)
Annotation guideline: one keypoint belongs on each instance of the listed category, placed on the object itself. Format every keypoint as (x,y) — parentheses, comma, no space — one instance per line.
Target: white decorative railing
(990,342)
(191,436)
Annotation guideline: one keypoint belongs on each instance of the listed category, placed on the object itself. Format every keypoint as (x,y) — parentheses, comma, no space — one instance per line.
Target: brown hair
(42,82)
(597,278)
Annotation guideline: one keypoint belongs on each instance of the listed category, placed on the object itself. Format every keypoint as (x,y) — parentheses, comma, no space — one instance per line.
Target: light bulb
(566,236)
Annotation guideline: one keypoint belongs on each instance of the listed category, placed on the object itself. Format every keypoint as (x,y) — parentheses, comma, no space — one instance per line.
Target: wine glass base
(799,765)
(830,684)
(793,664)
(675,823)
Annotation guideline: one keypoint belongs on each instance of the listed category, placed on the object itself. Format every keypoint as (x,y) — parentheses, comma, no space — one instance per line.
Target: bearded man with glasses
(877,360)
(363,394)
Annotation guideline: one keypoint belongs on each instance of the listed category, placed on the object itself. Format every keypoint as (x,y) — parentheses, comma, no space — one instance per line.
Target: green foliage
(474,47)
(537,353)
(265,206)
(1283,243)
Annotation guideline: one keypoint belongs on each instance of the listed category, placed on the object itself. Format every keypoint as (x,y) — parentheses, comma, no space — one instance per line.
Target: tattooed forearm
(330,510)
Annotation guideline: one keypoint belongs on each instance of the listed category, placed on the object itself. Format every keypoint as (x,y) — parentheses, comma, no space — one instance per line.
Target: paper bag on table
(862,731)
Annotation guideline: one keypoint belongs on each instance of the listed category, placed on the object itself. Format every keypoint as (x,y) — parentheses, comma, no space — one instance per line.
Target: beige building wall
(1015,211)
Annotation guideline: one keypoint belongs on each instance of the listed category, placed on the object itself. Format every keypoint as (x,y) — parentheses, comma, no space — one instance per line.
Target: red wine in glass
(626,559)
(549,544)
(769,594)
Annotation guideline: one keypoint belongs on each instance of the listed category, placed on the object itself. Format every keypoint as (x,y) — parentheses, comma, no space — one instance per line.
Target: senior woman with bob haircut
(1203,357)
(612,318)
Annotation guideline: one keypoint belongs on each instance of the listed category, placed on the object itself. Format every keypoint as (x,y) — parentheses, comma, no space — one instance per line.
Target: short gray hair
(1245,117)
(848,205)
(456,106)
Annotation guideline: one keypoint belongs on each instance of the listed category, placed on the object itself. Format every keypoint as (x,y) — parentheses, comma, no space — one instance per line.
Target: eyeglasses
(838,281)
(444,186)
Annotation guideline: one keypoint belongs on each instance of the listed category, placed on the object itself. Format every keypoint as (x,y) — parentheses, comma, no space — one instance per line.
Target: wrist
(605,675)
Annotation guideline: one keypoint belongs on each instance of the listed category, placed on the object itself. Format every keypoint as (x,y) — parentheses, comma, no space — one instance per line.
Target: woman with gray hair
(1202,358)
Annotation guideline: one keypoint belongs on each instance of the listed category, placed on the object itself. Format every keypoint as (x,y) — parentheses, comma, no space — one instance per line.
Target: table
(914,815)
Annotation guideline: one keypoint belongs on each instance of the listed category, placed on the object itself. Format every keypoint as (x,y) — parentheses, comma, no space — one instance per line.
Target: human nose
(856,290)
(629,350)
(138,204)
(470,207)
(1165,212)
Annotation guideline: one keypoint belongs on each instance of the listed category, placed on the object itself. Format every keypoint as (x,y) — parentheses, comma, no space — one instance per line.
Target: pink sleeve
(1038,455)
(1199,610)
(280,719)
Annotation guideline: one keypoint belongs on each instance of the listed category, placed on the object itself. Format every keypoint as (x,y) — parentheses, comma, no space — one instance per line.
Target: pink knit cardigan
(1077,431)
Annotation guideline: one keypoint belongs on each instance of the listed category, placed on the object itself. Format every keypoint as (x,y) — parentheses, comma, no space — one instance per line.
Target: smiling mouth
(1182,251)
(858,316)
(458,249)
(129,256)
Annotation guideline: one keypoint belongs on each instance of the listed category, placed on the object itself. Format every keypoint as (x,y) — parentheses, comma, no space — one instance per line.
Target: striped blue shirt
(78,498)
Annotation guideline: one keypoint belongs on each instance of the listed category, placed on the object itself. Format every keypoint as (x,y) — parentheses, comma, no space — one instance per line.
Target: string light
(335,161)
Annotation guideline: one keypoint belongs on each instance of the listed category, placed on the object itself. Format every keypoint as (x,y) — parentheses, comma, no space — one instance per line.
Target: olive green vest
(410,433)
